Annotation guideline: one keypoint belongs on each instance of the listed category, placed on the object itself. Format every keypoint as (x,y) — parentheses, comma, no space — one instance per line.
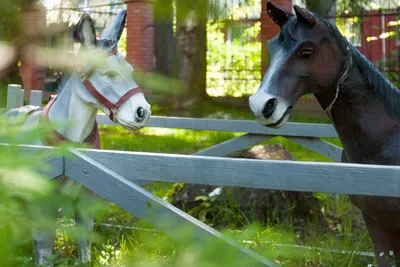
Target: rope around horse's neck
(342,78)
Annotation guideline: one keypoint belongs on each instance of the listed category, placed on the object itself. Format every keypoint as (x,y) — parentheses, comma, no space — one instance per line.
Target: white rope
(342,78)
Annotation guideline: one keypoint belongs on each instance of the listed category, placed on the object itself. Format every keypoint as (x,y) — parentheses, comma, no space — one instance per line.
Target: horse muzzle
(269,110)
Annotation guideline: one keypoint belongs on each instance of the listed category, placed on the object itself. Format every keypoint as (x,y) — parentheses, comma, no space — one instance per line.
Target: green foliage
(233,67)
(22,192)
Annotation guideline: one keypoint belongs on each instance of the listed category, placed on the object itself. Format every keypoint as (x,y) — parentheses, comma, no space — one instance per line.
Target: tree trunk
(191,47)
(164,40)
(326,9)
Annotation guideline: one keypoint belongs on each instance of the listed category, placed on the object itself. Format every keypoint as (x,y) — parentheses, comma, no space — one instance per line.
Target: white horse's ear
(84,31)
(114,30)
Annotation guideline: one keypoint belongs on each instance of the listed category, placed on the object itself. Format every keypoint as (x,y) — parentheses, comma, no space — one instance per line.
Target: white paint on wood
(343,178)
(13,92)
(320,146)
(21,98)
(233,145)
(36,97)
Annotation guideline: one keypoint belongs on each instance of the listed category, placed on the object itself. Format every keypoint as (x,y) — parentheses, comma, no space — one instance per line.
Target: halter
(342,78)
(113,108)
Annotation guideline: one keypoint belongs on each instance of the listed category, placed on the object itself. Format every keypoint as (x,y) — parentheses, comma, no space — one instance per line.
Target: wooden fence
(118,175)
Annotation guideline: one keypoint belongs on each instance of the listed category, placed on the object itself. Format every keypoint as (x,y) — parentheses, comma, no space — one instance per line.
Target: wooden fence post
(13,96)
(36,98)
(21,98)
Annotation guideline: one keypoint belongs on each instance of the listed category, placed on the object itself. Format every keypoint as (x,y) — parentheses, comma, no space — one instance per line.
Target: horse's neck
(359,116)
(70,109)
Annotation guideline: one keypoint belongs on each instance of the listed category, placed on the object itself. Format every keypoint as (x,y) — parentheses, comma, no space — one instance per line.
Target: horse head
(304,58)
(110,86)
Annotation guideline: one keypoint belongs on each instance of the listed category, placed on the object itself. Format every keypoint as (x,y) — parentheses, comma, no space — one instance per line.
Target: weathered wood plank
(36,98)
(233,145)
(21,98)
(13,92)
(279,175)
(51,168)
(131,197)
(239,126)
(54,167)
(320,146)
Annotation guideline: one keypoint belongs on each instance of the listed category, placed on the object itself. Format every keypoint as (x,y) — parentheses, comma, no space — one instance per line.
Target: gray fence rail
(305,134)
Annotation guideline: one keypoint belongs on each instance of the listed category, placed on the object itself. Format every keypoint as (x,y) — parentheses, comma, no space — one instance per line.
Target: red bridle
(113,108)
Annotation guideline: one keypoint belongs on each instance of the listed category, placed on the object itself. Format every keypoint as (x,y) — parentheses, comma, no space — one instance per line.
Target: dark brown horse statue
(309,55)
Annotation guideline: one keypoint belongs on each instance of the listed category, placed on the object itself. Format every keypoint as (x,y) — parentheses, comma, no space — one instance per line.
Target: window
(235,33)
(113,7)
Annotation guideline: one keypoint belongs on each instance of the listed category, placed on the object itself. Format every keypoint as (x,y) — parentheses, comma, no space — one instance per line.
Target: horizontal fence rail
(237,126)
(347,178)
(305,134)
(357,179)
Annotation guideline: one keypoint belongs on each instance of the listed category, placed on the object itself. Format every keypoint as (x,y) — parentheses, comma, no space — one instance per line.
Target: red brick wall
(269,29)
(33,22)
(140,34)
(373,50)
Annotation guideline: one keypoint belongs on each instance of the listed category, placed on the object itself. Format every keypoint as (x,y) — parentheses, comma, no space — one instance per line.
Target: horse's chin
(280,123)
(130,127)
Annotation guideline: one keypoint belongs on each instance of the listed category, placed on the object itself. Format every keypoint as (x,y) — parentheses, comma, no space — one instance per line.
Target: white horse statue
(108,87)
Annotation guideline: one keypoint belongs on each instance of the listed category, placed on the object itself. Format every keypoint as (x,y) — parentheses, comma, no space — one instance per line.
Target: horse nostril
(140,113)
(269,107)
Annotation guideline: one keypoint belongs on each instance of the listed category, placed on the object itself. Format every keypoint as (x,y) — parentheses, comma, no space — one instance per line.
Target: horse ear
(305,16)
(278,14)
(114,30)
(84,31)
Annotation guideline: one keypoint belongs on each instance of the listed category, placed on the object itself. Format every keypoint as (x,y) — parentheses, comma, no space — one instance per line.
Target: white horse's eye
(111,74)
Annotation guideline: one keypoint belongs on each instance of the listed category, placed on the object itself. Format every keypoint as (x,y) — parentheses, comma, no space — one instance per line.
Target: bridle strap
(113,108)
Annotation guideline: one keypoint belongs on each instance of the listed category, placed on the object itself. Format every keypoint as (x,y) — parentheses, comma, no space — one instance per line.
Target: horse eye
(306,52)
(111,74)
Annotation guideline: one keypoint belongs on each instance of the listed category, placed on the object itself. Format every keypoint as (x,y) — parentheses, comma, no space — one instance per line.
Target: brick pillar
(34,22)
(140,34)
(269,29)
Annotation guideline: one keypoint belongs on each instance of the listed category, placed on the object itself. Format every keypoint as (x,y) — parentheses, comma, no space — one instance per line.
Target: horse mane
(375,81)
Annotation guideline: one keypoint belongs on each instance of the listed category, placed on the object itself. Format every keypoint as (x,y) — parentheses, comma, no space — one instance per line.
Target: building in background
(373,29)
